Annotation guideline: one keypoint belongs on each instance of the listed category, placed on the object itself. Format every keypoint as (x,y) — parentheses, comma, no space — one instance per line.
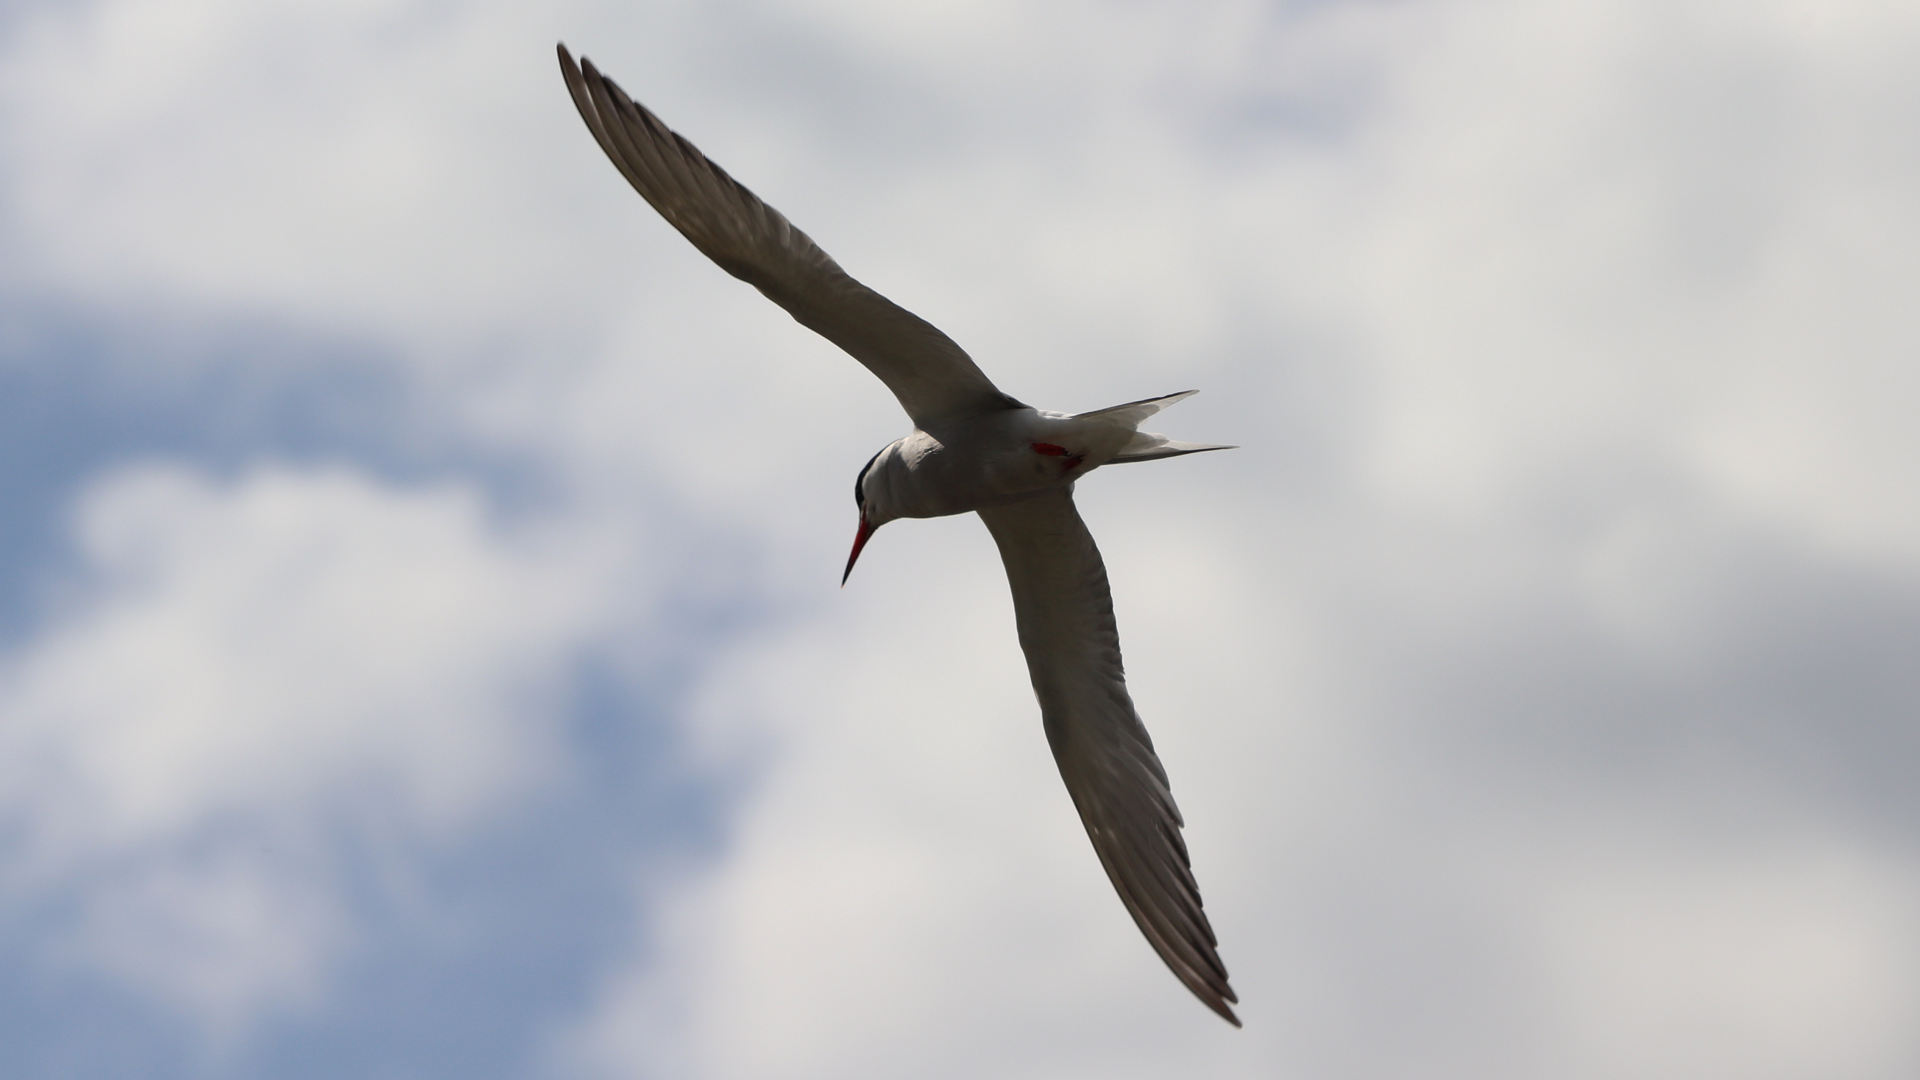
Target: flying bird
(973,449)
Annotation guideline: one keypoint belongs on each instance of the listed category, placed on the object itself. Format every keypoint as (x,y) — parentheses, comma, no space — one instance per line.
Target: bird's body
(973,449)
(1003,456)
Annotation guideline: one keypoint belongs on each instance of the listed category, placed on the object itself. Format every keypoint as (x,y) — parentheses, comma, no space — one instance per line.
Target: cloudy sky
(420,648)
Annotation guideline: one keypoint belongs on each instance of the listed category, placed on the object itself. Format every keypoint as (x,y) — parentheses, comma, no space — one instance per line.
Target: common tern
(973,448)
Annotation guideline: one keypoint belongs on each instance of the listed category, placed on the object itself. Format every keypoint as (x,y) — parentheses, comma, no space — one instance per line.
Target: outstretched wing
(934,378)
(1065,614)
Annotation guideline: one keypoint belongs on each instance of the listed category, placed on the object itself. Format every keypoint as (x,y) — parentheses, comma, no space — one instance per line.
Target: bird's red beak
(859,541)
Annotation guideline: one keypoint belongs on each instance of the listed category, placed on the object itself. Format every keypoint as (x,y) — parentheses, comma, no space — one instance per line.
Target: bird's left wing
(1065,614)
(934,378)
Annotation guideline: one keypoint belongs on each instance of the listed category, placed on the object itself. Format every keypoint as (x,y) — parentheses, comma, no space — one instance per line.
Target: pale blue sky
(420,649)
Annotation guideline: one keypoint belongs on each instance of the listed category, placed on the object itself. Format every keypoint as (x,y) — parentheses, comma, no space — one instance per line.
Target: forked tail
(1146,445)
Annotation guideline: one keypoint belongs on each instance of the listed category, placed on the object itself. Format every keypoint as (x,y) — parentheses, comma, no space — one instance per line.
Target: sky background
(420,648)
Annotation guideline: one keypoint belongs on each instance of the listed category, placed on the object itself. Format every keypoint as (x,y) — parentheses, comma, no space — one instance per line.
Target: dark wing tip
(1214,994)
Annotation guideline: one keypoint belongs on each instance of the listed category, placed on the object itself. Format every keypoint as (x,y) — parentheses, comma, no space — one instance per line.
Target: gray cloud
(1535,681)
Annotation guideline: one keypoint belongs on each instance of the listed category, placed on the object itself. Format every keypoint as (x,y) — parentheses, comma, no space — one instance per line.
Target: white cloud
(1796,959)
(243,669)
(329,164)
(1569,344)
(1551,256)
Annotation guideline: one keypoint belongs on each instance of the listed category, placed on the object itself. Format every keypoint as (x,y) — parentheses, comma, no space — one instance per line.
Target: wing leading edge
(934,378)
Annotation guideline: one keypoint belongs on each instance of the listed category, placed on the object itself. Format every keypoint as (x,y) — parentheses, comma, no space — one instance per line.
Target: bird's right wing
(934,378)
(1065,614)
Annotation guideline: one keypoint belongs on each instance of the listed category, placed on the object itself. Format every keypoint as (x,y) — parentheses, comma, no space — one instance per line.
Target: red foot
(1047,448)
